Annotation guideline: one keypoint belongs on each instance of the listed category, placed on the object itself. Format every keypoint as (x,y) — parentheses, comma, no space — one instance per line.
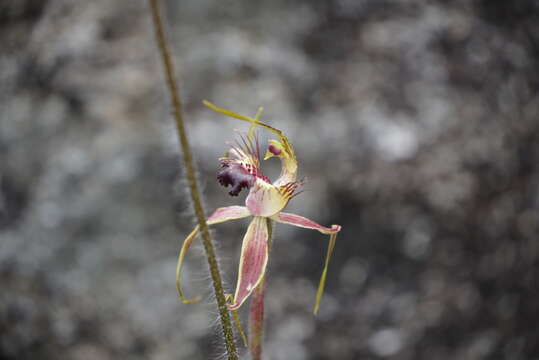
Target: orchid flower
(240,169)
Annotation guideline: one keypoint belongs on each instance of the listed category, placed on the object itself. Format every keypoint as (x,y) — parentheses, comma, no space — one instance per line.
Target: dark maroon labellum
(236,176)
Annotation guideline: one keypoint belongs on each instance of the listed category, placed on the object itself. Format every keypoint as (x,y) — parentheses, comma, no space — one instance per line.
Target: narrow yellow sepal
(181,257)
(252,128)
(220,215)
(322,284)
(284,140)
(259,113)
(228,112)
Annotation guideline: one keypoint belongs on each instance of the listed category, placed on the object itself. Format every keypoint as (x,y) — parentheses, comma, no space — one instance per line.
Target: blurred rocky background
(417,127)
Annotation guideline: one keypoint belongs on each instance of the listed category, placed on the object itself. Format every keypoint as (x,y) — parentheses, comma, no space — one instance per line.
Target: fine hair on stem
(188,163)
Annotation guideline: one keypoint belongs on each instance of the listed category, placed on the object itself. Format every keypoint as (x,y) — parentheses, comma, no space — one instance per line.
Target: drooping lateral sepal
(300,221)
(253,260)
(322,283)
(220,215)
(181,257)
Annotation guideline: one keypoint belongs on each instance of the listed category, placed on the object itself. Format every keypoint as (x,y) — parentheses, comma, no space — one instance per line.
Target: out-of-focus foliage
(417,127)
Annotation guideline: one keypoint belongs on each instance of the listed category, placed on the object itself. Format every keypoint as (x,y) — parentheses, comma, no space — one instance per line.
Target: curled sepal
(253,261)
(220,215)
(322,284)
(186,245)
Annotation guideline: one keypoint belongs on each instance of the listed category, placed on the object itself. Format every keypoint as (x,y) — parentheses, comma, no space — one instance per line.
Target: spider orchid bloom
(240,169)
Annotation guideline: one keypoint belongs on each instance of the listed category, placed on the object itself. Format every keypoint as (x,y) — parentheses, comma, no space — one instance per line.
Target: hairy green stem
(256,322)
(192,180)
(256,311)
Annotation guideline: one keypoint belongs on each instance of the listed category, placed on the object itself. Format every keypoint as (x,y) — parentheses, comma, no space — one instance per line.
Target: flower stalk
(256,322)
(256,311)
(188,164)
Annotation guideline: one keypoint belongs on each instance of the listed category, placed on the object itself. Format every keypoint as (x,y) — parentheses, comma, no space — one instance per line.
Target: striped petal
(220,215)
(296,220)
(253,260)
(228,213)
(300,221)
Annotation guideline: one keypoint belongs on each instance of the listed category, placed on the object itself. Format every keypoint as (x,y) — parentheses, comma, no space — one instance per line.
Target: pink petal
(296,220)
(228,213)
(253,261)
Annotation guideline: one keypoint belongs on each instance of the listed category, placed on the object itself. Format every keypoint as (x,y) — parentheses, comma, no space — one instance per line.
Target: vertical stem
(256,322)
(256,312)
(192,180)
